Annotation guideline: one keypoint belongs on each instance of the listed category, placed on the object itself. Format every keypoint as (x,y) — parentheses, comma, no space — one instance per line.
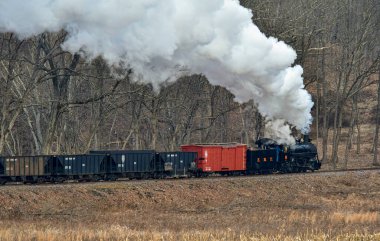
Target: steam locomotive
(299,157)
(196,160)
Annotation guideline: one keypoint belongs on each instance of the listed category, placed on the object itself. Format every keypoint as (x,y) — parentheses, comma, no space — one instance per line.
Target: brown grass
(319,206)
(362,217)
(124,233)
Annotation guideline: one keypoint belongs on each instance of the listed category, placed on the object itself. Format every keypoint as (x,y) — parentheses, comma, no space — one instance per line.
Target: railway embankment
(289,205)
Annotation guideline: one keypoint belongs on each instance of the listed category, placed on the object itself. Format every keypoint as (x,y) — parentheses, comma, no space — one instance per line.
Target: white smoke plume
(279,131)
(155,37)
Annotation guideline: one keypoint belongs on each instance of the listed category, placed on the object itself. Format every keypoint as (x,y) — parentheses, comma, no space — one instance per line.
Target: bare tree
(377,123)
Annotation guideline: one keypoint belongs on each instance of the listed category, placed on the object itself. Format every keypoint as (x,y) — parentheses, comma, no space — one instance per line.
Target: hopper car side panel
(75,164)
(176,163)
(21,168)
(24,166)
(137,164)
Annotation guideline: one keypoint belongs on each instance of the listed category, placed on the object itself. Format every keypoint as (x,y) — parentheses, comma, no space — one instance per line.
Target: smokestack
(158,39)
(306,138)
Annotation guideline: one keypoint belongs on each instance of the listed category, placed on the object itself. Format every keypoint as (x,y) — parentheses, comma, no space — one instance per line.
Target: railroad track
(349,170)
(211,177)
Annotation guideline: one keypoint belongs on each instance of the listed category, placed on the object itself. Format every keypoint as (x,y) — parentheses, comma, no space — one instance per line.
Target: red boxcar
(227,157)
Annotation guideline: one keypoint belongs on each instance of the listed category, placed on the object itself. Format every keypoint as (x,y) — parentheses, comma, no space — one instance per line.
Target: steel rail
(210,177)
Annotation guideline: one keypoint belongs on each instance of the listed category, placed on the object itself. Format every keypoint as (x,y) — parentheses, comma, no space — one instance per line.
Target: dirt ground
(317,206)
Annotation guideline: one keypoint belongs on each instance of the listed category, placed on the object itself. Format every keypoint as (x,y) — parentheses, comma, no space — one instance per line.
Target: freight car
(97,165)
(128,164)
(176,164)
(225,159)
(194,160)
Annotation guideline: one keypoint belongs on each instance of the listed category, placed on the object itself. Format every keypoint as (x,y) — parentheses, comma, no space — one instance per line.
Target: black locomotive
(299,157)
(302,156)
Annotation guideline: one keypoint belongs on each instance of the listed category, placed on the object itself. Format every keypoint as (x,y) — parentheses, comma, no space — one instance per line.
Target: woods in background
(54,102)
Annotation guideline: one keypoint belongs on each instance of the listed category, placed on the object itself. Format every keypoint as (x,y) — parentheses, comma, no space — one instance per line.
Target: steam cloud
(155,37)
(279,131)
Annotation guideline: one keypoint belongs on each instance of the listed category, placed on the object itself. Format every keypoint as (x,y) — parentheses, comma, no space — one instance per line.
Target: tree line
(53,101)
(337,43)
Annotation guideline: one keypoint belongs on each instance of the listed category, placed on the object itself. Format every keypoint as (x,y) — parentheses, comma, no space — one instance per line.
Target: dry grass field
(312,206)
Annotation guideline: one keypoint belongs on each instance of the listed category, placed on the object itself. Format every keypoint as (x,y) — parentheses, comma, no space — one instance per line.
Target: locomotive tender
(195,160)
